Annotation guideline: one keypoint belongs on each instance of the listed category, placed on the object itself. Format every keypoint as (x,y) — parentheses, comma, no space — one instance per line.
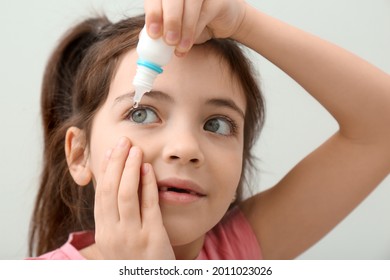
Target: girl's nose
(183,146)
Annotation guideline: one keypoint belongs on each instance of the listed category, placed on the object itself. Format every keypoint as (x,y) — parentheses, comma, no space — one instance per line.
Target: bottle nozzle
(138,96)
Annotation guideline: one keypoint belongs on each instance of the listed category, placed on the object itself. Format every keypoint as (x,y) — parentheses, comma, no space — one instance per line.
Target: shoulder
(71,249)
(231,238)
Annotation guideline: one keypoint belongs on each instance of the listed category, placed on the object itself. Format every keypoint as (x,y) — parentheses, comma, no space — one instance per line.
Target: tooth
(164,189)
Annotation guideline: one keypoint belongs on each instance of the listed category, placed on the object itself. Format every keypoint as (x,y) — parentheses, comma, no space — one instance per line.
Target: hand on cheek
(128,222)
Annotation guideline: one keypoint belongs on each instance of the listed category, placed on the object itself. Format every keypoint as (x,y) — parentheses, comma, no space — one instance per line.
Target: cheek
(103,138)
(229,170)
(97,153)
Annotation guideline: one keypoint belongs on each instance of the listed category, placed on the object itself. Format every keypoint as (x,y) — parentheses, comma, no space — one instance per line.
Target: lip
(179,190)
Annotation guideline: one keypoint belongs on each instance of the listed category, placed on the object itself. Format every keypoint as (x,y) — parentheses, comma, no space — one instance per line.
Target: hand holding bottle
(184,23)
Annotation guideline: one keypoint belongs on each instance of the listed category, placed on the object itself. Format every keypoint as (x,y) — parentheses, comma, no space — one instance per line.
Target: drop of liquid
(135,105)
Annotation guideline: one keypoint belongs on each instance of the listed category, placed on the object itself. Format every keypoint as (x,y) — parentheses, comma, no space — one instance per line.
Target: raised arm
(330,182)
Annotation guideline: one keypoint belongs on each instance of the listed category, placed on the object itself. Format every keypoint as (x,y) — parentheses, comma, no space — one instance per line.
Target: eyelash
(129,112)
(232,124)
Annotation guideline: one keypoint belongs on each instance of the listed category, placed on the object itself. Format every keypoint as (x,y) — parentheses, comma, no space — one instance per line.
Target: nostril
(193,160)
(174,157)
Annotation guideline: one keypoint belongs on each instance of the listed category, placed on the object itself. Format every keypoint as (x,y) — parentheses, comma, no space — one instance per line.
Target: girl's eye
(143,116)
(220,126)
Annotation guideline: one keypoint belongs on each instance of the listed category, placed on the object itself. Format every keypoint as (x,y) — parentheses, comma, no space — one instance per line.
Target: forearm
(356,93)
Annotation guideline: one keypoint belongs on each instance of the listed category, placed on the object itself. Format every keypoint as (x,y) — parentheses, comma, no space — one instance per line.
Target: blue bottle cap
(150,65)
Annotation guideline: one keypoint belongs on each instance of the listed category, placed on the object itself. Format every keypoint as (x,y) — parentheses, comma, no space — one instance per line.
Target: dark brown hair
(75,85)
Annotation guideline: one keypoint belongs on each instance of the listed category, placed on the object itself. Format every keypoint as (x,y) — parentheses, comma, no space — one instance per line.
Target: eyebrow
(229,103)
(153,94)
(219,102)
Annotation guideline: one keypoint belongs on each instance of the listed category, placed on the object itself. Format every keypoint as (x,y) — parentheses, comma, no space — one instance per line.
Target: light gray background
(295,125)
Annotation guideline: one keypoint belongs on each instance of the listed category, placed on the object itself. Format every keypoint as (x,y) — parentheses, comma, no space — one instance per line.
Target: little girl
(164,180)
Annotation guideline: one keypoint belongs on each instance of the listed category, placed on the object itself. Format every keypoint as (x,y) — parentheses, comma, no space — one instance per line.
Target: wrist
(243,30)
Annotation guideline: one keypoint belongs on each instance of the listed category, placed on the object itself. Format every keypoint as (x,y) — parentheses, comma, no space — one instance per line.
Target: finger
(107,189)
(150,208)
(128,201)
(202,32)
(172,17)
(192,9)
(153,18)
(98,193)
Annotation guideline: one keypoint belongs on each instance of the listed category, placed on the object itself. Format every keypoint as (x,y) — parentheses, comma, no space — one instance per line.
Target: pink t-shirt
(231,239)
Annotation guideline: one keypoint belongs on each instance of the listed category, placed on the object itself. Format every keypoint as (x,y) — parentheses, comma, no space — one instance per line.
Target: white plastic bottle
(153,54)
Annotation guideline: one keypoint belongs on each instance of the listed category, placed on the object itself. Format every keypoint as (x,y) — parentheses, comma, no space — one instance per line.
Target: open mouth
(178,190)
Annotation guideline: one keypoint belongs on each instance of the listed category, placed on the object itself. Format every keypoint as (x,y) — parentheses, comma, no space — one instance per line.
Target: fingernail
(171,37)
(179,54)
(122,142)
(154,29)
(108,153)
(145,168)
(184,45)
(133,152)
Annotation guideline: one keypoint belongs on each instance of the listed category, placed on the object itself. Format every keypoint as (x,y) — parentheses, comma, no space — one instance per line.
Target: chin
(185,226)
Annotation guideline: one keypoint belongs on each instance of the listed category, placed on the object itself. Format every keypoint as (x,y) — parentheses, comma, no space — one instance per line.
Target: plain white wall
(295,123)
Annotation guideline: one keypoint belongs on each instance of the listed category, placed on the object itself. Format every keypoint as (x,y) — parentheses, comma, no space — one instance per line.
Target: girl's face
(190,128)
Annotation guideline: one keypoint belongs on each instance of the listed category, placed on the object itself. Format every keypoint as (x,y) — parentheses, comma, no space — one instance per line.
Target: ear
(77,156)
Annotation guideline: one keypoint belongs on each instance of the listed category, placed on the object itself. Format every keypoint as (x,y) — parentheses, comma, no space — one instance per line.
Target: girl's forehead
(200,70)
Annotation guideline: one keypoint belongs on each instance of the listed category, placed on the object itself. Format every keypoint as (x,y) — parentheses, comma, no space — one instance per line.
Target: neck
(189,251)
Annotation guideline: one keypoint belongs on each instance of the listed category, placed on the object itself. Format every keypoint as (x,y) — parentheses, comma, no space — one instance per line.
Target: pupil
(213,125)
(139,116)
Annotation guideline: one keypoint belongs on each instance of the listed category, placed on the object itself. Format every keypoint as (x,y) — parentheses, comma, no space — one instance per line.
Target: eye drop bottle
(153,54)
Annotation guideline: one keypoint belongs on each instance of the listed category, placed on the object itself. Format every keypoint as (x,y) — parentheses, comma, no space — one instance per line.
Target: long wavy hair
(75,85)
